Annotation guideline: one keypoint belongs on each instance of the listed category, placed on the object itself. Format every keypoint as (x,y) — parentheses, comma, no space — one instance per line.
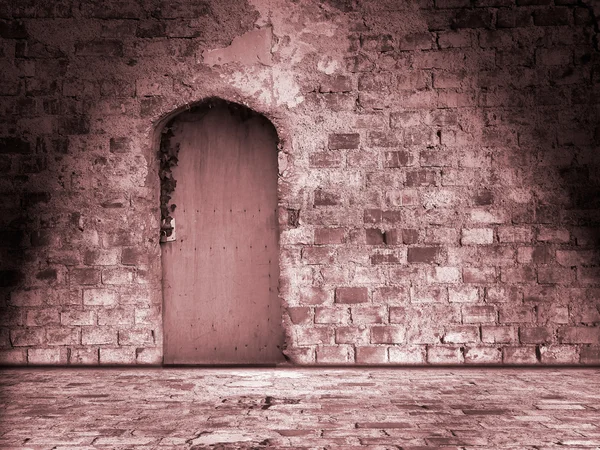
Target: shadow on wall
(499,97)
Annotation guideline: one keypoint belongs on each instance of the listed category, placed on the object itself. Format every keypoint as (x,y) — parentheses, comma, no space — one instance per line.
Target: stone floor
(224,408)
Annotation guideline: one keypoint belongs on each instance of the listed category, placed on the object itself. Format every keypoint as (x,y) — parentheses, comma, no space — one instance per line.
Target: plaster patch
(248,49)
(327,65)
(272,86)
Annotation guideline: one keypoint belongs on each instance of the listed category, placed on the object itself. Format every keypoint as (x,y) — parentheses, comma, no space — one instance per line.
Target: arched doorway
(220,263)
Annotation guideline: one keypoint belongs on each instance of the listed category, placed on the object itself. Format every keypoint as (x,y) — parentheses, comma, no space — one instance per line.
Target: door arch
(221,260)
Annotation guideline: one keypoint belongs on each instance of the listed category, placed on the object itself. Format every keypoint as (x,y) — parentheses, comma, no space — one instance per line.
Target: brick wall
(439,173)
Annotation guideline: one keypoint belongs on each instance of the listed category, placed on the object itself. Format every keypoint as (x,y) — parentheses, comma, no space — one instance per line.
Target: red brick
(151,355)
(519,355)
(503,294)
(551,17)
(391,295)
(318,255)
(99,297)
(102,257)
(351,295)
(536,255)
(323,198)
(336,83)
(312,295)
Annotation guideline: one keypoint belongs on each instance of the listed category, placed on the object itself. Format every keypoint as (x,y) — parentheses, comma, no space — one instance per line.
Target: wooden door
(220,276)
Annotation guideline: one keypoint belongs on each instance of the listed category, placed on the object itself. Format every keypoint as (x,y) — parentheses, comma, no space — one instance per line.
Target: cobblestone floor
(299,408)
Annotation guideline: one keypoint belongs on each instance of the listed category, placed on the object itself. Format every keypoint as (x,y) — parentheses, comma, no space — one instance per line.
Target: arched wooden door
(220,275)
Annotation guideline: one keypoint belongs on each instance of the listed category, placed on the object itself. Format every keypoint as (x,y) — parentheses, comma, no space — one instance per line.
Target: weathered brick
(388,335)
(352,335)
(363,315)
(437,354)
(74,317)
(477,236)
(515,314)
(519,355)
(102,257)
(479,275)
(98,336)
(407,354)
(371,355)
(99,297)
(13,356)
(463,294)
(428,294)
(424,254)
(329,236)
(351,295)
(559,354)
(479,314)
(420,178)
(22,337)
(535,335)
(551,17)
(136,336)
(579,335)
(498,334)
(42,317)
(62,336)
(335,354)
(120,275)
(439,274)
(324,314)
(313,336)
(590,355)
(100,48)
(84,356)
(46,356)
(119,356)
(461,335)
(483,355)
(343,141)
(83,277)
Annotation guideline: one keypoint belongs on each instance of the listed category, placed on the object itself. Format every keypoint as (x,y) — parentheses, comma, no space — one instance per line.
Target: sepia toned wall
(438,173)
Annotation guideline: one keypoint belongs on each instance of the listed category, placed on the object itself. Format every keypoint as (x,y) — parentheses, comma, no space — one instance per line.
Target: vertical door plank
(221,304)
